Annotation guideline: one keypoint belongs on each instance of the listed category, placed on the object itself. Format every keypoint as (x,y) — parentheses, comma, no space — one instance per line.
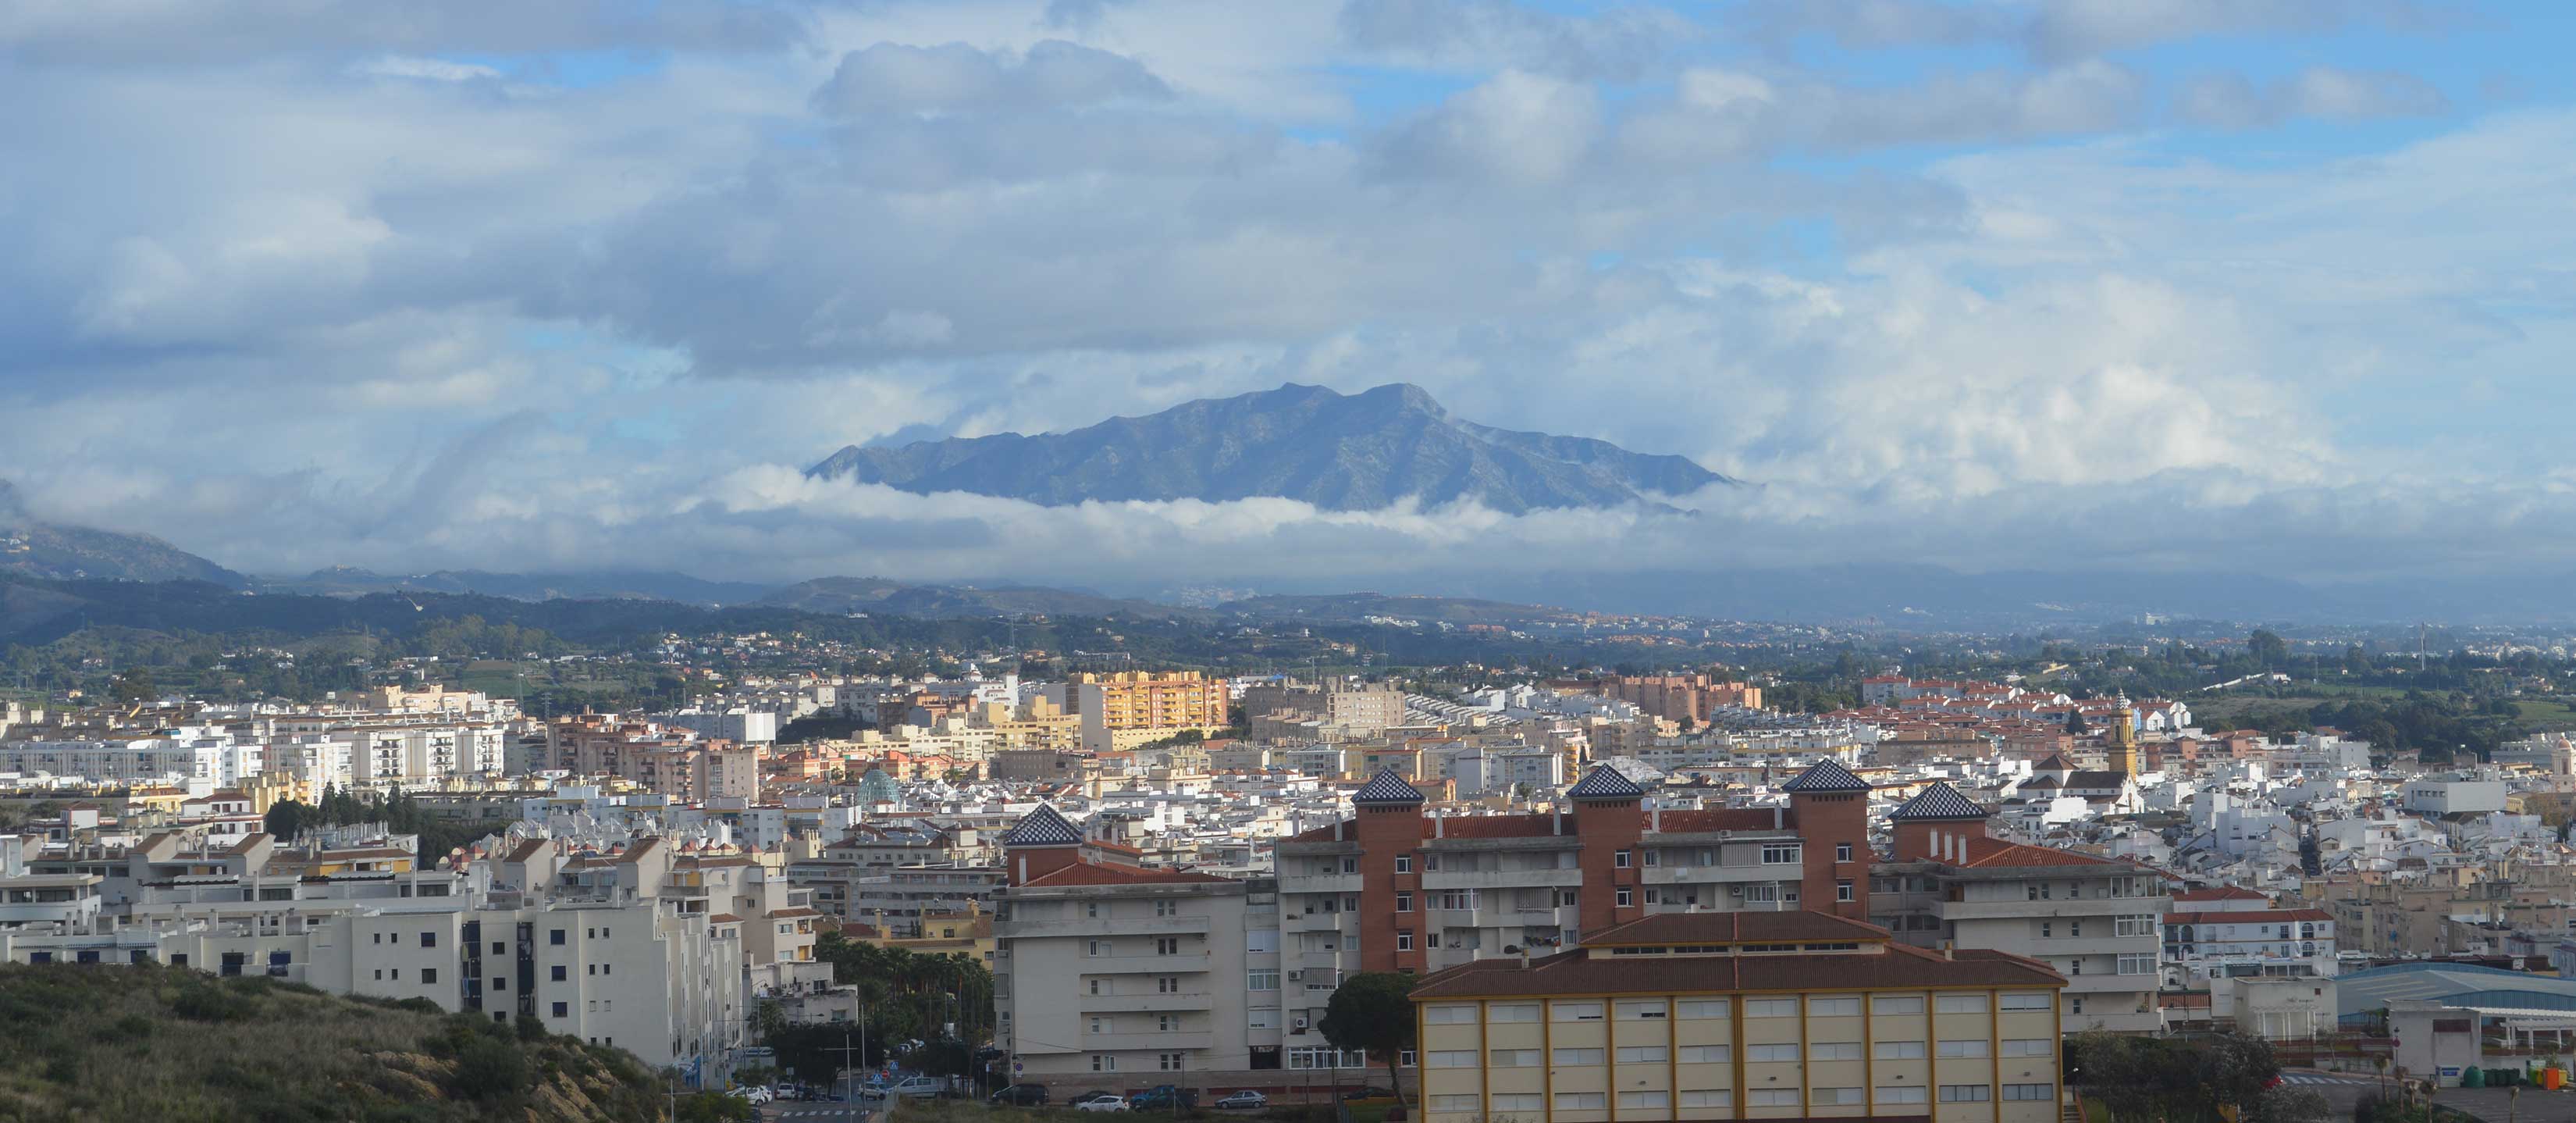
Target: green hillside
(170,1045)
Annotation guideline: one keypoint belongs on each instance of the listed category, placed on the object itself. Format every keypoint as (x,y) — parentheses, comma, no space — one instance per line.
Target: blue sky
(2004,284)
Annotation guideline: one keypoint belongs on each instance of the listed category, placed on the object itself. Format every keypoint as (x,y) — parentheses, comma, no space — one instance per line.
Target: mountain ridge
(1341,452)
(61,551)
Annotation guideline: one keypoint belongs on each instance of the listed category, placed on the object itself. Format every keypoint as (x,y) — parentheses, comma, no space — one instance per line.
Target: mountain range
(1340,452)
(55,551)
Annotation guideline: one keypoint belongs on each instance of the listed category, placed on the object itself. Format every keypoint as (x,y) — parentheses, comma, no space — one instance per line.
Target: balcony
(1319,883)
(1178,964)
(1502,879)
(2092,945)
(2101,984)
(1320,922)
(1145,1003)
(1174,1042)
(2044,909)
(1106,927)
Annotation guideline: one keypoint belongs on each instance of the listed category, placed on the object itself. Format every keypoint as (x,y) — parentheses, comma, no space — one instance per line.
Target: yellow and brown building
(1741,1015)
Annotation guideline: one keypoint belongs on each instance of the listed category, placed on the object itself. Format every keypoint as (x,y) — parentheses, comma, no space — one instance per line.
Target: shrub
(490,1069)
(212,1002)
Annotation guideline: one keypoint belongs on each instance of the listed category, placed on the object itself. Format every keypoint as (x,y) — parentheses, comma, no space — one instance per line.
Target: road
(2494,1105)
(816,1113)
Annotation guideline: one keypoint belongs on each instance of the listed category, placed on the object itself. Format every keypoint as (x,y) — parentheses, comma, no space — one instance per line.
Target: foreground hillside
(175,1046)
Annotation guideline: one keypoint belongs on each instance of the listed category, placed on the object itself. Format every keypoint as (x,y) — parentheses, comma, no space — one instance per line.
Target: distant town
(1152,876)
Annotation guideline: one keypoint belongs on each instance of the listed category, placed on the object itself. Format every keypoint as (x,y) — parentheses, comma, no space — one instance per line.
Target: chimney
(1949,949)
(1775,817)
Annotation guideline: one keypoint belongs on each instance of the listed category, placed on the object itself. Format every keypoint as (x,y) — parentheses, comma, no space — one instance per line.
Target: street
(2493,1105)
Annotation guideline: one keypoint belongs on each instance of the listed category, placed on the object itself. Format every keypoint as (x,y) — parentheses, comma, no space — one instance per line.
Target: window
(2029,1047)
(1103,1062)
(1966,1093)
(500,982)
(1095,986)
(2075,929)
(1168,1062)
(428,976)
(1701,1008)
(2134,926)
(2029,1092)
(2141,964)
(1259,980)
(555,937)
(1903,1094)
(1576,1057)
(1834,1051)
(1575,1012)
(1960,1004)
(1450,1058)
(1512,1012)
(1770,1007)
(1528,1101)
(1708,1097)
(1843,890)
(1167,1023)
(2074,1005)
(1654,857)
(1167,908)
(1513,1058)
(1621,860)
(1091,910)
(1828,1096)
(1625,898)
(1833,1007)
(1962,1047)
(1167,945)
(1167,984)
(2047,930)
(1457,1102)
(1448,1015)
(1842,851)
(560,972)
(1430,862)
(563,1009)
(1771,1097)
(1779,853)
(1642,1054)
(1897,1050)
(1896,1004)
(1404,863)
(1404,902)
(1641,1011)
(1404,941)
(429,939)
(1581,1101)
(499,948)
(1096,947)
(1261,941)
(1645,1099)
(2026,1001)
(1101,1024)
(1775,1054)
(1706,1055)
(380,937)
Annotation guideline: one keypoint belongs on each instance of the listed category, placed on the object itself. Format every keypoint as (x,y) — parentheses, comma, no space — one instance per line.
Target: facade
(1108,968)
(2094,920)
(1119,711)
(2242,943)
(1684,698)
(1741,1016)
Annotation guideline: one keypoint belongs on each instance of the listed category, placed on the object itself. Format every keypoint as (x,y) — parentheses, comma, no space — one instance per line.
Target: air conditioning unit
(1734,890)
(1294,976)
(1301,1025)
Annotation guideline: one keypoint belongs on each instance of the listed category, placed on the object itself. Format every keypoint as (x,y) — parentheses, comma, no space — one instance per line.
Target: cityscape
(1362,561)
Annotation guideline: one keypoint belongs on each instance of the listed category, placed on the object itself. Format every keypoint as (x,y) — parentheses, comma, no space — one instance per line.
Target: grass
(122,1043)
(2552,713)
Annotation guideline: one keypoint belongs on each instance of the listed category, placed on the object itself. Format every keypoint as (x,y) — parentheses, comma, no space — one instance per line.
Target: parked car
(753,1093)
(1087,1097)
(1107,1101)
(1021,1095)
(1243,1101)
(1164,1097)
(787,1090)
(919,1087)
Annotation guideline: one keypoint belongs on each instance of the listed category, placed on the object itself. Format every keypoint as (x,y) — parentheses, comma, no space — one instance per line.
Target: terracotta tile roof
(1577,972)
(1114,873)
(2218,893)
(1995,853)
(1724,819)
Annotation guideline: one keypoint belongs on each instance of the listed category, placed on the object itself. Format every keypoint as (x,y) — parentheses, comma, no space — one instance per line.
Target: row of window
(1163,1062)
(1724,1098)
(1163,945)
(1701,1008)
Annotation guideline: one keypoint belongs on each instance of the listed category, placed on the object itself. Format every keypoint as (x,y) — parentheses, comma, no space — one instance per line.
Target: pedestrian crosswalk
(2320,1078)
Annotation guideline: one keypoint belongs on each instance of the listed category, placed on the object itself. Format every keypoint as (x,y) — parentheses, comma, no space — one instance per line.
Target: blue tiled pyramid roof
(1045,826)
(1387,787)
(1604,782)
(1940,801)
(1826,776)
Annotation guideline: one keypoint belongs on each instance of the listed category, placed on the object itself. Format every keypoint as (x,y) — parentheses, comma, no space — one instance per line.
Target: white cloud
(953,77)
(433,69)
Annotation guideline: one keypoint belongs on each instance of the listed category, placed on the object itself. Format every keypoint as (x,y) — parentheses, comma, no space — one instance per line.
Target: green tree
(2268,648)
(286,819)
(1373,1013)
(491,1068)
(134,685)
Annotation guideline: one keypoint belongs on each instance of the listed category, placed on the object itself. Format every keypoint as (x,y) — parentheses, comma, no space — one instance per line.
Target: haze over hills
(30,548)
(1355,452)
(601,585)
(903,598)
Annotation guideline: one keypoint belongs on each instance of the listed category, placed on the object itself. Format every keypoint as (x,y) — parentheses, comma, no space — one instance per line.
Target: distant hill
(135,1042)
(606,585)
(844,595)
(56,551)
(1356,452)
(1356,606)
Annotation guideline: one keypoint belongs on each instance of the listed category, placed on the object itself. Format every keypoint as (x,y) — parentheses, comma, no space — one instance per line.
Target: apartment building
(1102,967)
(1747,1015)
(2094,920)
(2201,946)
(1684,698)
(1395,889)
(668,760)
(1122,710)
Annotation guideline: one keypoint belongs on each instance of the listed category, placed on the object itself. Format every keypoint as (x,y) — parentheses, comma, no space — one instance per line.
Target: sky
(2276,286)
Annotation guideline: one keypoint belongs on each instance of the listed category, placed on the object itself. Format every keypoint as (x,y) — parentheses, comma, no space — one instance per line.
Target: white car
(1104,1103)
(753,1093)
(919,1087)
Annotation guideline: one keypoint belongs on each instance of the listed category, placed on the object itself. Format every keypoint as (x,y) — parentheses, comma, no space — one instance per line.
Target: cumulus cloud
(1621,43)
(954,78)
(2234,102)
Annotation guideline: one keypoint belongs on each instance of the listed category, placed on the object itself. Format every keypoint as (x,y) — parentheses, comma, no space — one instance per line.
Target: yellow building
(1741,1015)
(968,933)
(1142,705)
